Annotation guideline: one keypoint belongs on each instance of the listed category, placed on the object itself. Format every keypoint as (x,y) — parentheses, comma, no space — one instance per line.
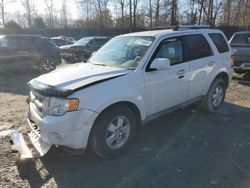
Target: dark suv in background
(29,51)
(82,49)
(240,43)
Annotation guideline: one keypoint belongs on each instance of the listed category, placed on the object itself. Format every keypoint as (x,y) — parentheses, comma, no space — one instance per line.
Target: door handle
(211,63)
(181,72)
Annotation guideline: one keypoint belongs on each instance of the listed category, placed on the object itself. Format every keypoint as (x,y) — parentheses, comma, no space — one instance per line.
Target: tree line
(129,13)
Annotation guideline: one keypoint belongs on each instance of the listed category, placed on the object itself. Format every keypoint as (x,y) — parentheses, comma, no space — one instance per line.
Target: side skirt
(169,110)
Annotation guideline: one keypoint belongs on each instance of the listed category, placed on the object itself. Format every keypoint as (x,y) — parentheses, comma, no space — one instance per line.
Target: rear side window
(219,42)
(240,39)
(196,47)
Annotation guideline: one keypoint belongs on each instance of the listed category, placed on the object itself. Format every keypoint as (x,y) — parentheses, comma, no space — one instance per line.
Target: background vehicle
(29,50)
(61,41)
(240,43)
(82,49)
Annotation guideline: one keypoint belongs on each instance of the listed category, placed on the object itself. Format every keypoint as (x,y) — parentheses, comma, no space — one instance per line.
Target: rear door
(199,55)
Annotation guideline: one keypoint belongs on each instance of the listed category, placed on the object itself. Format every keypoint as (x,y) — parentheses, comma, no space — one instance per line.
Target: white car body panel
(150,92)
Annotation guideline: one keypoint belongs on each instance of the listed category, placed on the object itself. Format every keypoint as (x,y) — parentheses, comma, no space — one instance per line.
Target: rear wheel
(48,64)
(215,96)
(113,131)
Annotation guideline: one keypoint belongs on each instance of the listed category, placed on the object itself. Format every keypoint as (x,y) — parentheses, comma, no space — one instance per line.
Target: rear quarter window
(219,42)
(196,47)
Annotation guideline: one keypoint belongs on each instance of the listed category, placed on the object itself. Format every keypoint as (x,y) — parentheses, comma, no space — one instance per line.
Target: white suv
(130,80)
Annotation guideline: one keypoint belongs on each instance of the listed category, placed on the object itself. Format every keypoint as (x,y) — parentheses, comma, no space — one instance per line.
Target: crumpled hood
(79,75)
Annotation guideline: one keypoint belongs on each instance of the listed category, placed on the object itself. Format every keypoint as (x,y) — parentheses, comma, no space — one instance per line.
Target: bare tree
(174,12)
(64,18)
(122,6)
(150,14)
(85,9)
(50,8)
(29,7)
(130,14)
(2,4)
(157,13)
(135,3)
(100,7)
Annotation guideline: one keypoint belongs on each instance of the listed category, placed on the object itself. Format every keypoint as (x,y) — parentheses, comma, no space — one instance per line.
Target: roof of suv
(155,33)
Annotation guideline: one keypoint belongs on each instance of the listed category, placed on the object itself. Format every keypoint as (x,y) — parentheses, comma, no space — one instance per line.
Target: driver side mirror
(160,64)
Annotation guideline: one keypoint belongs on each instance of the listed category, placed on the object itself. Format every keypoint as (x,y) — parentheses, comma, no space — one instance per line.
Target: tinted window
(44,43)
(25,43)
(100,41)
(219,42)
(240,39)
(171,49)
(196,47)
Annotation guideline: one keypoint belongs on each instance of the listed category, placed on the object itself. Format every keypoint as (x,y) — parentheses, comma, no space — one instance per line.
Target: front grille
(34,127)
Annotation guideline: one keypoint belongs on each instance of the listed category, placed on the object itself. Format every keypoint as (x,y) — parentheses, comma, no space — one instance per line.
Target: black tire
(47,64)
(98,137)
(208,103)
(240,71)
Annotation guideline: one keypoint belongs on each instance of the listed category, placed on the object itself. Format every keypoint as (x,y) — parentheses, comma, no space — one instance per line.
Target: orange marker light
(72,105)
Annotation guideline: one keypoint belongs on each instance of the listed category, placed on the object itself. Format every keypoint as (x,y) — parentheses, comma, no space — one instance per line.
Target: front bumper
(29,146)
(71,130)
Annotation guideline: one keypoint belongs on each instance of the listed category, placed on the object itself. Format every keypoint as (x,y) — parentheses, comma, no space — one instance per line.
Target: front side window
(219,42)
(124,52)
(196,47)
(171,49)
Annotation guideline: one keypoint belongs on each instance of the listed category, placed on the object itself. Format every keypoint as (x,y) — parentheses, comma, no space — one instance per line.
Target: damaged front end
(32,145)
(29,146)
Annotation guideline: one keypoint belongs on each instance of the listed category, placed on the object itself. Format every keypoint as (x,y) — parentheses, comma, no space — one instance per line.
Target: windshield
(124,52)
(83,41)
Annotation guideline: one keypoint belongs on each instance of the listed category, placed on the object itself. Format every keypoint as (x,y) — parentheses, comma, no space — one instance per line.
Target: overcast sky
(16,6)
(12,8)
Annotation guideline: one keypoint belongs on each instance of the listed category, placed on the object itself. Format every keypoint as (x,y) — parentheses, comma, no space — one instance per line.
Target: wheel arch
(224,76)
(129,104)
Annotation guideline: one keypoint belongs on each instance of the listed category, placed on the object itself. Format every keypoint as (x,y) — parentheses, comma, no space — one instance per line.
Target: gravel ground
(187,148)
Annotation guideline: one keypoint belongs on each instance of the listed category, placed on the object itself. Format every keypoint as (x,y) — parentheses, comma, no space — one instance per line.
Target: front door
(167,88)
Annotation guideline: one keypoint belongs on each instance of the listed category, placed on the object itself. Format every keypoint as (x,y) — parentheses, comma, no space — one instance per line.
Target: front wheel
(47,64)
(113,131)
(215,96)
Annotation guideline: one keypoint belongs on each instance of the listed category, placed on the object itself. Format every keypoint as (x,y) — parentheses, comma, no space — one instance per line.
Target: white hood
(79,75)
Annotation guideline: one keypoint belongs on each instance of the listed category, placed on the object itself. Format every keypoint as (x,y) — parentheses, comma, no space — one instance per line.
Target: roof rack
(191,27)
